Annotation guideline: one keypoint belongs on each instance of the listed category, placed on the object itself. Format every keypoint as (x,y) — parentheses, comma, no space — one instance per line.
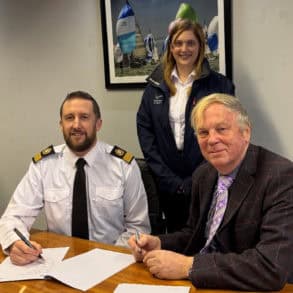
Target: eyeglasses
(179,43)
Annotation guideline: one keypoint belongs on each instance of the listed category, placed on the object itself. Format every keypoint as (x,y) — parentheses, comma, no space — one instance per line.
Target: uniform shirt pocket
(108,202)
(57,204)
(55,195)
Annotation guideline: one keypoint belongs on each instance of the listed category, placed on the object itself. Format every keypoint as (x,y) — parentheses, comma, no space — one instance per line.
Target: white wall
(51,47)
(263,63)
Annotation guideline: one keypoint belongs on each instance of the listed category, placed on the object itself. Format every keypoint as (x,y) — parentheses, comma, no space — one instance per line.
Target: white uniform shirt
(117,202)
(178,106)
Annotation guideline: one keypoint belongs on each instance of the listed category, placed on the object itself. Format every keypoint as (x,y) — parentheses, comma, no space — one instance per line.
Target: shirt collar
(175,76)
(233,174)
(71,158)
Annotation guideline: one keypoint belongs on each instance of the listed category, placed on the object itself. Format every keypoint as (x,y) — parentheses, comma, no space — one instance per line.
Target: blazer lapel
(206,191)
(241,186)
(205,194)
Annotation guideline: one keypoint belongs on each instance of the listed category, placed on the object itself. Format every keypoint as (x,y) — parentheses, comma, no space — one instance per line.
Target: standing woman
(163,119)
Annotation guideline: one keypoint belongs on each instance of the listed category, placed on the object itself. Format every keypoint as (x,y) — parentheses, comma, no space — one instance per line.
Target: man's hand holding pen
(21,254)
(162,264)
(141,244)
(23,251)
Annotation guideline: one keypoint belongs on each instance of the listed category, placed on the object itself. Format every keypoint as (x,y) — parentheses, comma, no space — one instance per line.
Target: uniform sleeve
(23,207)
(148,143)
(136,216)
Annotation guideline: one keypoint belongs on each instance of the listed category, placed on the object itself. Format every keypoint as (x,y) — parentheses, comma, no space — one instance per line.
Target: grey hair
(230,102)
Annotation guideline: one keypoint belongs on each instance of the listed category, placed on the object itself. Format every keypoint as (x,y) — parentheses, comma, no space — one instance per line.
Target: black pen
(26,241)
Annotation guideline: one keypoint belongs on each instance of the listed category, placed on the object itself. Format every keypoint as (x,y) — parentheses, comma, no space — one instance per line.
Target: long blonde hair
(168,59)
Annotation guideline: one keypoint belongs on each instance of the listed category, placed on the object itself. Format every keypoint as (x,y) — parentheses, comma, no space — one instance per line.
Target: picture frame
(152,18)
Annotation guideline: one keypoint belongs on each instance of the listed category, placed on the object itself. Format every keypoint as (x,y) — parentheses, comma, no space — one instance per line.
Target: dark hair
(84,96)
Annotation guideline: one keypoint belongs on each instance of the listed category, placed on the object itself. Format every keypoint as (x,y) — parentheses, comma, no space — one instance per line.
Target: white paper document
(88,269)
(36,270)
(134,288)
(82,271)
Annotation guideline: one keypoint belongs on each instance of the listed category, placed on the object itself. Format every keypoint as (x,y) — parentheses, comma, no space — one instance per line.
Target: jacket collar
(156,78)
(206,191)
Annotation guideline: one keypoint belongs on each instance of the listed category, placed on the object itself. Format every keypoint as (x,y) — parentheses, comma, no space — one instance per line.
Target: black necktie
(79,203)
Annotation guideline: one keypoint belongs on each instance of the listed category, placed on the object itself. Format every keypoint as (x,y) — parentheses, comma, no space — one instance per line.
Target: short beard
(86,145)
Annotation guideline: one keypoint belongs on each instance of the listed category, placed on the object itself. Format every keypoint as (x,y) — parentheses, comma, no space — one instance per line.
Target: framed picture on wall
(134,32)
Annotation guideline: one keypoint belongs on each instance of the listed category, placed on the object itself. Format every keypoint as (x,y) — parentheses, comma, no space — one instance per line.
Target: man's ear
(99,123)
(246,132)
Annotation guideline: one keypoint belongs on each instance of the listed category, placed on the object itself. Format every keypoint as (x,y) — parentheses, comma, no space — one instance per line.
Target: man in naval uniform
(115,198)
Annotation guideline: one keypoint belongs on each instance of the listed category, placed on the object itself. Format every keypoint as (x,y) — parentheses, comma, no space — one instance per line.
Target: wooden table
(135,273)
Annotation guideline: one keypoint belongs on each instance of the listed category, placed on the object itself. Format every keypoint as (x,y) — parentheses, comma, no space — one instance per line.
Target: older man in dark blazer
(243,238)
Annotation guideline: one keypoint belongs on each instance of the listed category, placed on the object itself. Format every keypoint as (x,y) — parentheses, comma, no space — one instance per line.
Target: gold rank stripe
(128,157)
(122,154)
(37,157)
(44,153)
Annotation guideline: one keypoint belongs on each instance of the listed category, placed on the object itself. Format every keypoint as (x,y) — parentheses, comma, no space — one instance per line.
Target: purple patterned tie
(219,207)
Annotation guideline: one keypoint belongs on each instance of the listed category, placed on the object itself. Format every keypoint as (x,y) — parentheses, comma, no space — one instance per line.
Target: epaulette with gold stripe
(44,153)
(122,154)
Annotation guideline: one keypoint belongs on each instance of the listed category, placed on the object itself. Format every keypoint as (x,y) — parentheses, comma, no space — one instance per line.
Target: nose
(184,46)
(213,137)
(76,122)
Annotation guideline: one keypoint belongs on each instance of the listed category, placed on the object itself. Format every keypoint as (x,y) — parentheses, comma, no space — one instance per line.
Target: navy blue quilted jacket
(173,168)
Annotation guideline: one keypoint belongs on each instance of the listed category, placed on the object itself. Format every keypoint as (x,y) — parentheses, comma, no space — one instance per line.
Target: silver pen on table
(26,241)
(137,237)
